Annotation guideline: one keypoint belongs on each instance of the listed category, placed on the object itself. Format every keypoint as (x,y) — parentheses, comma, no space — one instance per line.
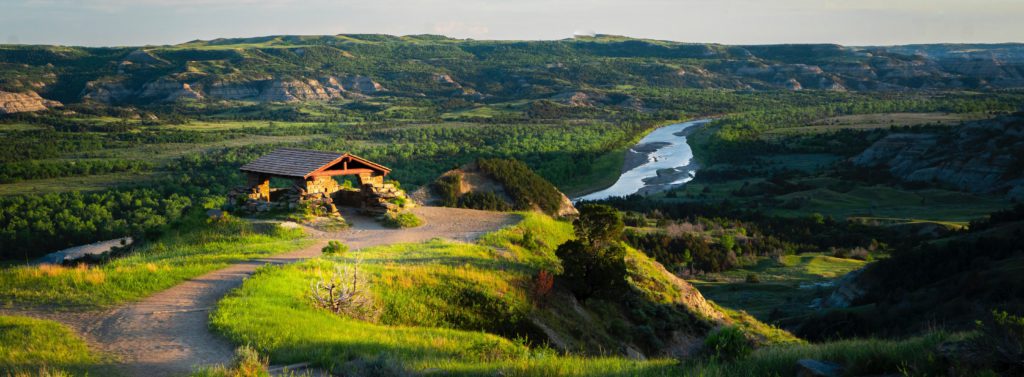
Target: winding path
(167,334)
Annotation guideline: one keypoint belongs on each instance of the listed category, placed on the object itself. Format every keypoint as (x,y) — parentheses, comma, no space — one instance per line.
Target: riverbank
(659,161)
(641,154)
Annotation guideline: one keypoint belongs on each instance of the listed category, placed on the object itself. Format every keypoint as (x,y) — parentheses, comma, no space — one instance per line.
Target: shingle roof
(300,163)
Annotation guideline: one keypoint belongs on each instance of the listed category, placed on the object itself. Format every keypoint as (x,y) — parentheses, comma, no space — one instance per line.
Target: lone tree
(594,263)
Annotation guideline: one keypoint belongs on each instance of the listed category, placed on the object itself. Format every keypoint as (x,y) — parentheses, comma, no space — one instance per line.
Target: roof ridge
(301,163)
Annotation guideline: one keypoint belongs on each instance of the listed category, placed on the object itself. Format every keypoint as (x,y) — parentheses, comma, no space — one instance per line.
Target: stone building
(312,181)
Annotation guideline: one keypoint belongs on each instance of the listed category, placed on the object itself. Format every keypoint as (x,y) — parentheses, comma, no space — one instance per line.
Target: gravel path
(167,334)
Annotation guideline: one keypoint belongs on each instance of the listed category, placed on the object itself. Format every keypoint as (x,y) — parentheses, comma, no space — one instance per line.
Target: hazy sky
(850,22)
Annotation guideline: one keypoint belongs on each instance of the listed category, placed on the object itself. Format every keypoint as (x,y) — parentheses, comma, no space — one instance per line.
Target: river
(666,153)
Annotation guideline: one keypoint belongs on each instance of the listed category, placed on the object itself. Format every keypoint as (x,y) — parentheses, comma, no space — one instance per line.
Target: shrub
(448,188)
(483,200)
(727,343)
(526,187)
(399,201)
(753,278)
(1002,340)
(543,282)
(589,270)
(401,220)
(530,241)
(335,248)
(595,261)
(343,292)
(598,224)
(247,363)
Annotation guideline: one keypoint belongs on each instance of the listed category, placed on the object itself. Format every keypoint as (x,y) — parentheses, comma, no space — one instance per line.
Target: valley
(736,209)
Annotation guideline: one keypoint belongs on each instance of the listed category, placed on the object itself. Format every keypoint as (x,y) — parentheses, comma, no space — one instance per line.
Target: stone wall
(259,187)
(322,185)
(379,198)
(322,193)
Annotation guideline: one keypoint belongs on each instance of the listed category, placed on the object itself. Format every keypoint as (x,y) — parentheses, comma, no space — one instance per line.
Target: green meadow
(191,250)
(34,347)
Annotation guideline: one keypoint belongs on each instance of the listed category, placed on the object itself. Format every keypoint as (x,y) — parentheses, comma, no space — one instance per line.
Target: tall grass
(914,356)
(195,248)
(444,303)
(33,347)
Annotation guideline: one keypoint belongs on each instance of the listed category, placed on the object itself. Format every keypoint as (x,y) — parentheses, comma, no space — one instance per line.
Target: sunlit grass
(188,252)
(33,347)
(916,356)
(442,304)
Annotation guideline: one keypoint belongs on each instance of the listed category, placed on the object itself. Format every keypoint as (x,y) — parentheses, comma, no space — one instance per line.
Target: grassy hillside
(466,309)
(773,288)
(950,282)
(194,248)
(33,347)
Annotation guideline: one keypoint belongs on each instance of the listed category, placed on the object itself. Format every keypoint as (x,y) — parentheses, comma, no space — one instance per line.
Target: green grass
(164,152)
(845,199)
(192,250)
(7,127)
(883,201)
(806,162)
(434,300)
(917,356)
(157,153)
(197,125)
(33,347)
(401,220)
(87,183)
(787,284)
(435,297)
(606,170)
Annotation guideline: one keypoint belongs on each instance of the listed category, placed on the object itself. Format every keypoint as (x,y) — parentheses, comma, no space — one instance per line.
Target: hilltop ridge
(319,68)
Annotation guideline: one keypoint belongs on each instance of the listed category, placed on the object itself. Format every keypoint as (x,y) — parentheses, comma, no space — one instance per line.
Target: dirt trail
(167,334)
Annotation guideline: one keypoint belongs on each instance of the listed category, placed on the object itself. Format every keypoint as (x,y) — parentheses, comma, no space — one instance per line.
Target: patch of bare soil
(168,333)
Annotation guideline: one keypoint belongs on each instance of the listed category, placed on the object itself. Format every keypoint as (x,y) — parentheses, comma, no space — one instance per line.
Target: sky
(848,22)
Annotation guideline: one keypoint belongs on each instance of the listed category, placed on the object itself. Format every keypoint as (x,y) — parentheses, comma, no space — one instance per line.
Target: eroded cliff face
(269,89)
(11,102)
(983,157)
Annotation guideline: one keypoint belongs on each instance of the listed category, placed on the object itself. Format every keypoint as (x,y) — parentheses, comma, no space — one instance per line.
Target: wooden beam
(342,172)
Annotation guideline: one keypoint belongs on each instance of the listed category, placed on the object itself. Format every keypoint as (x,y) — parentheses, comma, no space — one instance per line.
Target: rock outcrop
(361,84)
(166,90)
(169,89)
(29,101)
(107,92)
(981,157)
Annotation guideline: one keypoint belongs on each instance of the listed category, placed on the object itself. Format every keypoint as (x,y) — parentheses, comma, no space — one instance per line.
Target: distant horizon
(512,40)
(123,23)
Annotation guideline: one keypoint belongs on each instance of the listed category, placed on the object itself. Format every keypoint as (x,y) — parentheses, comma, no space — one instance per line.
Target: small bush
(526,187)
(335,248)
(247,363)
(344,292)
(1002,340)
(400,202)
(753,278)
(484,200)
(530,241)
(448,189)
(543,282)
(401,220)
(727,343)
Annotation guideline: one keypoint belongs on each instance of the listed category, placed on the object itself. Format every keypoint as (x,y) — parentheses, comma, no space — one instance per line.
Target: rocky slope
(29,101)
(270,89)
(984,156)
(282,69)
